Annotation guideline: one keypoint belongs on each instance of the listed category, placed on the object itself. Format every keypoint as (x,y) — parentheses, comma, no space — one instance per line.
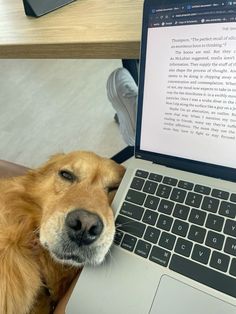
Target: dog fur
(33,239)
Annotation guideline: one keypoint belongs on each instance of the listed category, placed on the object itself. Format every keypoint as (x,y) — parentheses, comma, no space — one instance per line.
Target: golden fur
(33,208)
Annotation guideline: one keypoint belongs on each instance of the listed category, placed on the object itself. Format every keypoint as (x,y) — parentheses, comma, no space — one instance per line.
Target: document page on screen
(189,100)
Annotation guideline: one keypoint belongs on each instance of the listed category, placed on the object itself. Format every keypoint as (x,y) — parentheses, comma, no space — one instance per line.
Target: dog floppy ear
(111,196)
(112,189)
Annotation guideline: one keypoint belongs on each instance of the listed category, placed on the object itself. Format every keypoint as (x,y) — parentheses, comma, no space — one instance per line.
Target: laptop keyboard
(187,227)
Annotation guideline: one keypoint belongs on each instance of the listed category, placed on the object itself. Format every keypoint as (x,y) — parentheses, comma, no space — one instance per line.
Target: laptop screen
(188,92)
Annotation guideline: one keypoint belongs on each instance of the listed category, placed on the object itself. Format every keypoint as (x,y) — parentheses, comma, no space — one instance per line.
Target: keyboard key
(181,211)
(167,240)
(233,197)
(219,261)
(164,222)
(135,197)
(185,185)
(210,204)
(128,225)
(220,194)
(159,256)
(128,242)
(180,228)
(150,217)
(230,227)
(183,247)
(215,240)
(155,177)
(197,217)
(141,173)
(118,237)
(214,222)
(178,195)
(150,187)
(152,202)
(230,246)
(163,190)
(152,234)
(166,207)
(227,209)
(132,211)
(232,269)
(201,254)
(137,183)
(202,189)
(197,234)
(193,199)
(204,275)
(170,181)
(143,248)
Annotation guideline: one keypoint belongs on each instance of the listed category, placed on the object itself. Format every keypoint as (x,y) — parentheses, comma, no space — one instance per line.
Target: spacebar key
(131,226)
(204,275)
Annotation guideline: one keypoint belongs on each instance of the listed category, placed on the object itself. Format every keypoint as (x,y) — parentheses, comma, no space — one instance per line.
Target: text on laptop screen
(189,98)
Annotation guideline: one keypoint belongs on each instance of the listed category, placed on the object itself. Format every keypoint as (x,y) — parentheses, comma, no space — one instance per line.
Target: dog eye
(111,189)
(67,175)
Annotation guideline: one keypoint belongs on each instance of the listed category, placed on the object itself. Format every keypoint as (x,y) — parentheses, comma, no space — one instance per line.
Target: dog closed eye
(67,175)
(111,189)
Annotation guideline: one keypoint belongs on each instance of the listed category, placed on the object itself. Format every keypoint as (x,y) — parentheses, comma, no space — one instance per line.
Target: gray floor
(50,106)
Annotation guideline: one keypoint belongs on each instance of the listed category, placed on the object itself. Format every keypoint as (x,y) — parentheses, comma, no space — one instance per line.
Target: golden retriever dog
(52,221)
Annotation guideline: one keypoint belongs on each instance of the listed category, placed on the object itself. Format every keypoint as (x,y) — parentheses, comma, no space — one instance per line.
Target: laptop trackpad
(173,296)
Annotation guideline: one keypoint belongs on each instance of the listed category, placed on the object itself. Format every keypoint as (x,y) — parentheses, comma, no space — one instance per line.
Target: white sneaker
(122,92)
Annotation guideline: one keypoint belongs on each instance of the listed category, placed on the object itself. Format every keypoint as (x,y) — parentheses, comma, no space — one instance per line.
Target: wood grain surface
(82,29)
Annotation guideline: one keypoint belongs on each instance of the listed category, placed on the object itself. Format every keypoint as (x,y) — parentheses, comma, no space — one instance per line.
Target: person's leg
(122,92)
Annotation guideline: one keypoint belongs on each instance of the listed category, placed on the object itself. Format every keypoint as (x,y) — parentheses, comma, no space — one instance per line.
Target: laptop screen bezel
(221,172)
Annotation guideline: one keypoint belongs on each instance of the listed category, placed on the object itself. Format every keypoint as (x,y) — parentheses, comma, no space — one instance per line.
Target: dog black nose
(83,227)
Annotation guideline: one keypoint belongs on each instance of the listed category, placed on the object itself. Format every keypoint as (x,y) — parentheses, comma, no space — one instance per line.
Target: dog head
(75,192)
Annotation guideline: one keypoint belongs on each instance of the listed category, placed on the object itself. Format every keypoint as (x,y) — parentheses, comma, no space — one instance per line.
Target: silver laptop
(175,245)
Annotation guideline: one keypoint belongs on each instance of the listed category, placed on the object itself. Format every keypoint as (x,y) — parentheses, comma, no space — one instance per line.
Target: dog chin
(68,259)
(83,256)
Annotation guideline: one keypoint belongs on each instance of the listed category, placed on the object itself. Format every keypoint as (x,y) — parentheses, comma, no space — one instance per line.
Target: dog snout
(83,227)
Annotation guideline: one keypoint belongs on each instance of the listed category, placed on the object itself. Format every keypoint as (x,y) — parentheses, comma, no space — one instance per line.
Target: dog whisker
(123,224)
(36,231)
(126,224)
